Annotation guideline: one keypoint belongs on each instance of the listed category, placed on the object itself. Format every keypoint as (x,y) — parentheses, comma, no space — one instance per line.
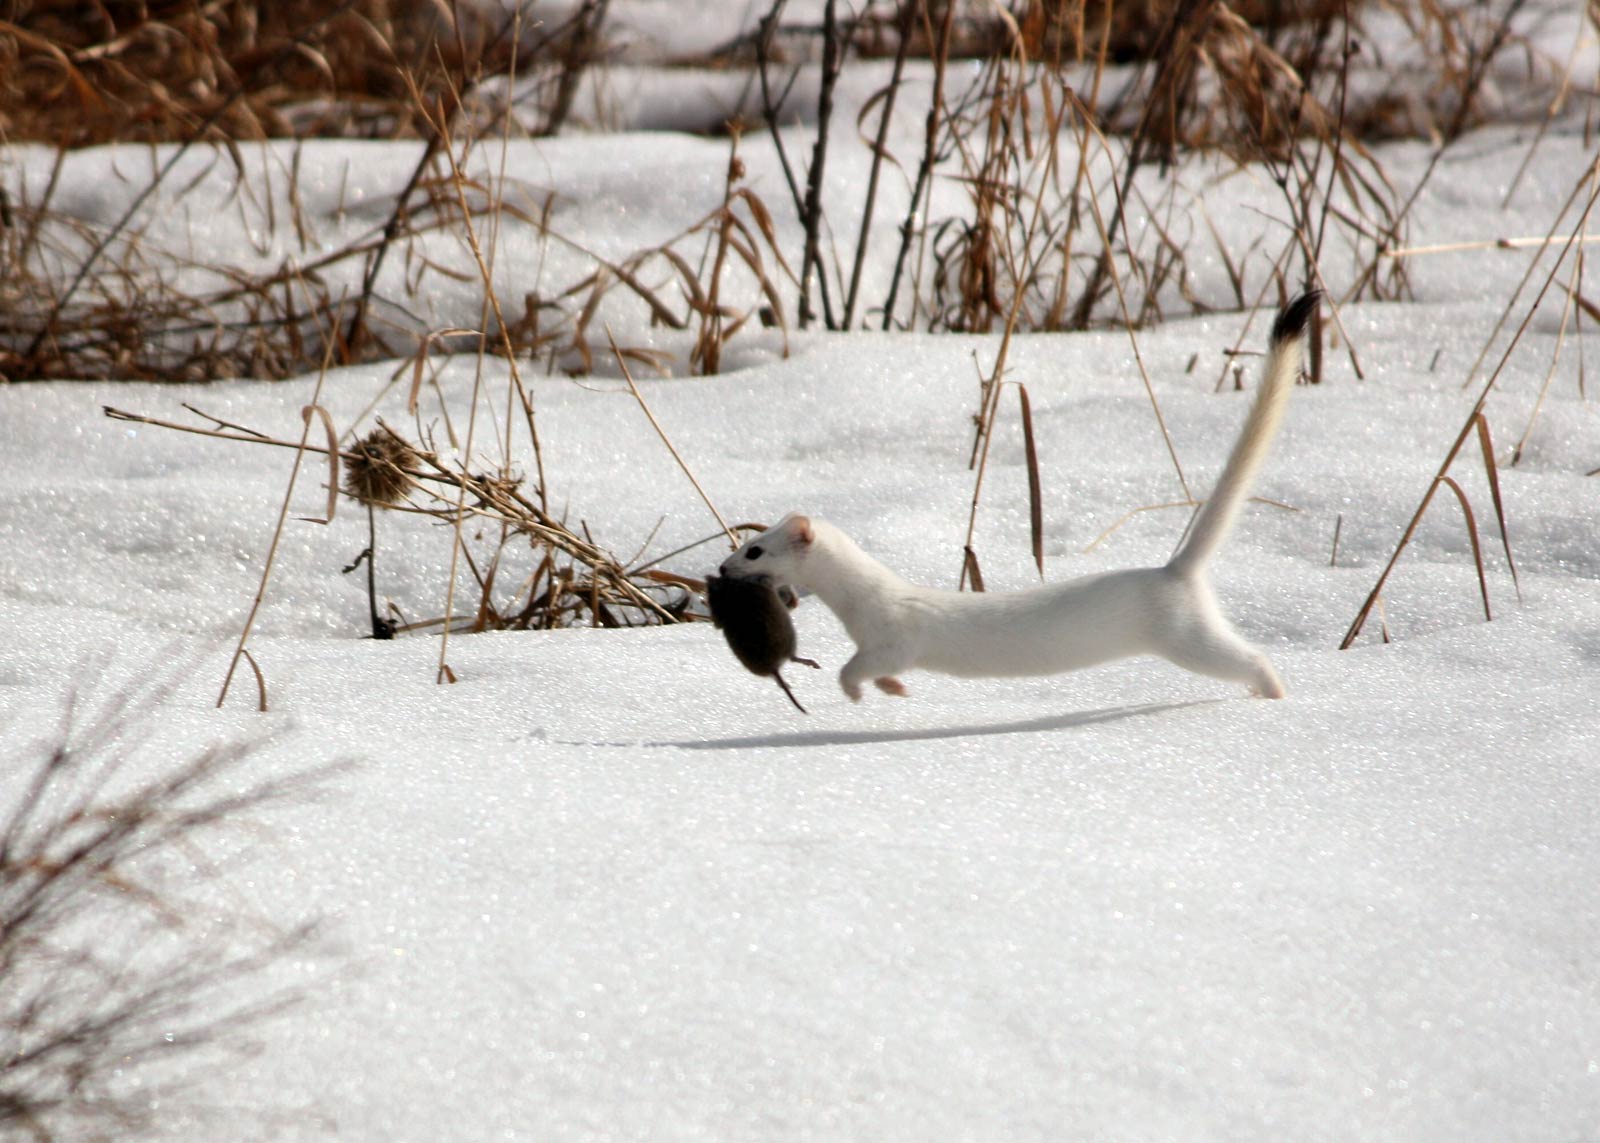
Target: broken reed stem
(1492,469)
(990,405)
(1030,452)
(1472,536)
(662,433)
(491,301)
(930,150)
(832,63)
(277,531)
(261,681)
(908,10)
(248,436)
(1109,263)
(1485,244)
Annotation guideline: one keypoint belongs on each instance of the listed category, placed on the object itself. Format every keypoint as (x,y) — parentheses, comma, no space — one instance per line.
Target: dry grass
(132,972)
(1076,104)
(1029,140)
(74,74)
(567,578)
(1587,191)
(1076,151)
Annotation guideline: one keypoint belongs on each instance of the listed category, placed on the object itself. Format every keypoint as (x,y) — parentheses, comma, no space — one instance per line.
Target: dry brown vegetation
(1067,161)
(130,963)
(1060,189)
(1073,127)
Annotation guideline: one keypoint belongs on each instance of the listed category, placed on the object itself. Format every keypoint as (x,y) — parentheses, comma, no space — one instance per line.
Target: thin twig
(283,516)
(832,63)
(908,9)
(666,440)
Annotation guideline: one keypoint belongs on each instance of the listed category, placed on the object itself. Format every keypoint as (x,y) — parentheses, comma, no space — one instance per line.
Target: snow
(609,886)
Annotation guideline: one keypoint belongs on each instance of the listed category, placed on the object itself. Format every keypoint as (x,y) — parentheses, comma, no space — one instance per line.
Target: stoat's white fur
(1169,611)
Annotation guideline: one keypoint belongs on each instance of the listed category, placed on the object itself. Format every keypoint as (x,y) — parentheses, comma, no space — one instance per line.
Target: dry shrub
(74,74)
(1065,154)
(530,569)
(1129,31)
(131,969)
(1422,75)
(1067,227)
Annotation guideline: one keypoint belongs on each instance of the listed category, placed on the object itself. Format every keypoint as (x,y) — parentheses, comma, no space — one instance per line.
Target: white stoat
(1169,611)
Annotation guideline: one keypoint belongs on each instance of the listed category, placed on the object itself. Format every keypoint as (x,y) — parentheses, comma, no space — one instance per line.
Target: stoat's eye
(753,553)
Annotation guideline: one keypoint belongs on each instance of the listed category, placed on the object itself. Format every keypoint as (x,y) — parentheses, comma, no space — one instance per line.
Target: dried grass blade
(658,309)
(1582,302)
(1377,588)
(261,681)
(970,572)
(1472,534)
(1486,443)
(277,532)
(1235,278)
(1131,513)
(691,283)
(638,396)
(763,217)
(1035,490)
(333,459)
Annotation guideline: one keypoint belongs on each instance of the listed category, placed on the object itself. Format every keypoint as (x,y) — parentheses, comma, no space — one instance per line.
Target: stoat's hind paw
(1268,685)
(890,685)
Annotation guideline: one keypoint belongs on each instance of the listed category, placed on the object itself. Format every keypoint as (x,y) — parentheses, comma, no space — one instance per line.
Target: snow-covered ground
(609,886)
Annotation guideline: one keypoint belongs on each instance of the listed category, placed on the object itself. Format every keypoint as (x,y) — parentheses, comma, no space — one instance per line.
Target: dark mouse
(756,624)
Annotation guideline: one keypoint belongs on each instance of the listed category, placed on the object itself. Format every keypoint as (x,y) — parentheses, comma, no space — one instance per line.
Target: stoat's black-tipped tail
(1294,317)
(1212,522)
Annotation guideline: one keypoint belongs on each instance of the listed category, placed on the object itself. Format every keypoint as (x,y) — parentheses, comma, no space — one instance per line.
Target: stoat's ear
(798,530)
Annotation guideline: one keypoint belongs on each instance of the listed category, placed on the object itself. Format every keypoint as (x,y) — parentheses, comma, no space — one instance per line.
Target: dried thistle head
(376,471)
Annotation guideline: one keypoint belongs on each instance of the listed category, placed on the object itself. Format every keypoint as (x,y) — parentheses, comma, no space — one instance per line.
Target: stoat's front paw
(852,690)
(890,685)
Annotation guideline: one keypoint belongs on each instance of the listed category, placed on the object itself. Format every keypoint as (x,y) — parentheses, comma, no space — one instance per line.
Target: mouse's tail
(790,693)
(1215,518)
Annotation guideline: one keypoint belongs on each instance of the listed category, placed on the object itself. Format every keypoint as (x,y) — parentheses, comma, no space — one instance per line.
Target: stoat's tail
(1215,518)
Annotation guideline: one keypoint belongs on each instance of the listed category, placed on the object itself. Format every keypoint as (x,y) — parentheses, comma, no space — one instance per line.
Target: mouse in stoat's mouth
(755,620)
(1169,611)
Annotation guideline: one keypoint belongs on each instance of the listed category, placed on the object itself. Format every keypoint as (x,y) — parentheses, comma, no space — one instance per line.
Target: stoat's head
(778,554)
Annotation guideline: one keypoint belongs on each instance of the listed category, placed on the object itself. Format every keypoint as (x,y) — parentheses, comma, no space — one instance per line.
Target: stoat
(1169,611)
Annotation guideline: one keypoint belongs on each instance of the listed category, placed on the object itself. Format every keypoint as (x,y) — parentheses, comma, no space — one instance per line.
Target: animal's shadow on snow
(1066,721)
